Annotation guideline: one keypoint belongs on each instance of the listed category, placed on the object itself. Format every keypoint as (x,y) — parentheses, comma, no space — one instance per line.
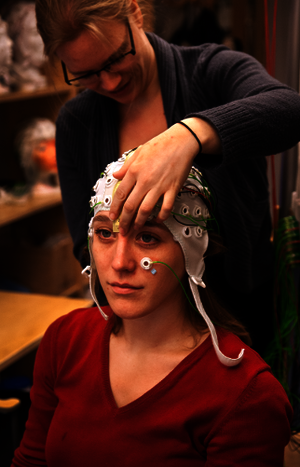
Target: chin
(126,309)
(128,96)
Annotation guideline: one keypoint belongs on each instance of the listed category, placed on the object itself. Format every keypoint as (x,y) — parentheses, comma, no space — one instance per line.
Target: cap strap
(223,359)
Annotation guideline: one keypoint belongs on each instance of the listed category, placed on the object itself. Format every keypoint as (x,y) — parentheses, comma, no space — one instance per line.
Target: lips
(123,288)
(121,90)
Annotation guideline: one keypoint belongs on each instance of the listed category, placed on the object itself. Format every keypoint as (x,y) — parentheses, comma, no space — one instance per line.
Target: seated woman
(159,381)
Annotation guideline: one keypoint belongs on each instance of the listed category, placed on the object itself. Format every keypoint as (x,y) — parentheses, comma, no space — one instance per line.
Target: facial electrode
(147,264)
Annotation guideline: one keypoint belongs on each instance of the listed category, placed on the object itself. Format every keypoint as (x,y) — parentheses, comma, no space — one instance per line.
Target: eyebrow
(110,59)
(102,218)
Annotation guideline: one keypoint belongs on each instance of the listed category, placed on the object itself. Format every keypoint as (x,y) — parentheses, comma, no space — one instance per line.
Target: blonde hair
(61,21)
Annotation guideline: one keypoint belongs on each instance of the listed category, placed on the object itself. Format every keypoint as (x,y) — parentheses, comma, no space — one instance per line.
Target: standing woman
(205,105)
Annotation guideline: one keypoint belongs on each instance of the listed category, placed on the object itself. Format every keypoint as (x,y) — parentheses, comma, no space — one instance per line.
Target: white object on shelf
(6,45)
(28,48)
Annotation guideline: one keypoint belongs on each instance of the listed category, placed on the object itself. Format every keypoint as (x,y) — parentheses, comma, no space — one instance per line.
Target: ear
(136,14)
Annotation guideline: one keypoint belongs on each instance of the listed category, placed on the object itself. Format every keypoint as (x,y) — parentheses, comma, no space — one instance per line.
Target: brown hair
(216,311)
(212,305)
(61,21)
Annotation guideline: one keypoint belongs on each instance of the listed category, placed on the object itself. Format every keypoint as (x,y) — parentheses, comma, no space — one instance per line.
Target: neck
(157,332)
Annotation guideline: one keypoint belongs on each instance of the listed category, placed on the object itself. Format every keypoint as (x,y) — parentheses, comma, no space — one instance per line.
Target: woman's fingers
(124,188)
(121,173)
(149,201)
(167,205)
(157,170)
(140,192)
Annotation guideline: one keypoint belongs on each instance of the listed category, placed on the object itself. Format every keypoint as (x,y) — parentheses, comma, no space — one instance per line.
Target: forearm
(255,126)
(252,113)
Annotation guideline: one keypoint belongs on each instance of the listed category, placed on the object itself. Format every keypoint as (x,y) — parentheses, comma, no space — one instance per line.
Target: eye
(103,233)
(87,78)
(147,238)
(118,60)
(110,66)
(107,68)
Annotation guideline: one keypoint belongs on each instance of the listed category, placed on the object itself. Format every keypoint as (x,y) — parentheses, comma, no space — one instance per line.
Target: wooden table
(24,319)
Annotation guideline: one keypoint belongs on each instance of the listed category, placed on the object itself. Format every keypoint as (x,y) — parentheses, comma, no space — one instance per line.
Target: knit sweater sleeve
(256,430)
(253,113)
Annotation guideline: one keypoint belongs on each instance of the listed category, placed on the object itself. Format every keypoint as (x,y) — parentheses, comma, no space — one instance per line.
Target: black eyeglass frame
(91,73)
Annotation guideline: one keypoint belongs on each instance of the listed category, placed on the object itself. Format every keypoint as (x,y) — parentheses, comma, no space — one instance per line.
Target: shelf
(44,92)
(36,246)
(12,212)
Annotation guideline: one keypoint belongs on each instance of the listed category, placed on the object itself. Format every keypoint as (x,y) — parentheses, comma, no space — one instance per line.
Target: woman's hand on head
(157,170)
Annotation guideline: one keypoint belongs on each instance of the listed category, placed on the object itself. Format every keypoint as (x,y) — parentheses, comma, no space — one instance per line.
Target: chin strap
(88,273)
(223,359)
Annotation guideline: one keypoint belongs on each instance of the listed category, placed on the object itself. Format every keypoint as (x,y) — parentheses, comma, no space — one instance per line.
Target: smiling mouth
(118,91)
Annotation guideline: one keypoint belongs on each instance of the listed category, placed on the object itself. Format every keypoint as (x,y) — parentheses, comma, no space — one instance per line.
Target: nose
(123,260)
(109,81)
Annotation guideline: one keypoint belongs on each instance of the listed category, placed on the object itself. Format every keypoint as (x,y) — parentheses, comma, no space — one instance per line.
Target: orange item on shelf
(44,155)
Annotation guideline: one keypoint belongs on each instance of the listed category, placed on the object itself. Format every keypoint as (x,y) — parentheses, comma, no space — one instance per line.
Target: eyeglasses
(111,67)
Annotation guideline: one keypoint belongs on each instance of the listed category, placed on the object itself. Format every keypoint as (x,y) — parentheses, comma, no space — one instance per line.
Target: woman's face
(132,291)
(131,74)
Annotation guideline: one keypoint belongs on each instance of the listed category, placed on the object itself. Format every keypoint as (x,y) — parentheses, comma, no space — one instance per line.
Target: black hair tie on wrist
(194,134)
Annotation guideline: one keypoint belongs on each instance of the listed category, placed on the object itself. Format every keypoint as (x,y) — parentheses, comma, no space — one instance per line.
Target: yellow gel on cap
(116,223)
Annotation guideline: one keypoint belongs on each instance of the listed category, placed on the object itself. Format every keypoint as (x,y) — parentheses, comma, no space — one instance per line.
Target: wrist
(193,134)
(206,133)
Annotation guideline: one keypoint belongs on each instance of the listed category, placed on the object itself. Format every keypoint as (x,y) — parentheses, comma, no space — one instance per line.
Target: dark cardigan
(254,115)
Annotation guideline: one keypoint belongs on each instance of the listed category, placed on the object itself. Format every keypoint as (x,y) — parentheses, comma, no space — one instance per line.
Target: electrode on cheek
(147,264)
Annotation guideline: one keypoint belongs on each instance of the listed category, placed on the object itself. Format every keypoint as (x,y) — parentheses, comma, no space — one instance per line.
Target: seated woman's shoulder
(250,366)
(250,380)
(78,324)
(231,345)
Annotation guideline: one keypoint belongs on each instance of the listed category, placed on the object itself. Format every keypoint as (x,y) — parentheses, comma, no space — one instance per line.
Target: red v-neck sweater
(202,413)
